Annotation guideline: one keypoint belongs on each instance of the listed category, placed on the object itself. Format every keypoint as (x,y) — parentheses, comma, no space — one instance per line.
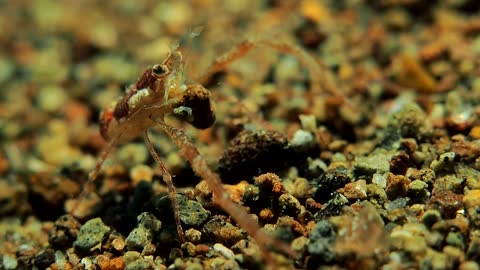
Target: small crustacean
(161,91)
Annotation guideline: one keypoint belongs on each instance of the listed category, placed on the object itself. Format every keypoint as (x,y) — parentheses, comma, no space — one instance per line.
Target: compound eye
(159,70)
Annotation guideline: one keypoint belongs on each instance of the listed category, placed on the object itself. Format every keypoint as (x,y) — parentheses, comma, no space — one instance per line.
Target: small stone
(189,249)
(410,122)
(64,231)
(473,250)
(302,138)
(138,238)
(223,250)
(90,236)
(149,221)
(191,212)
(397,185)
(456,239)
(329,182)
(289,205)
(380,180)
(445,201)
(222,232)
(431,217)
(444,161)
(193,235)
(472,176)
(194,266)
(83,207)
(251,153)
(321,245)
(118,244)
(51,98)
(45,258)
(300,244)
(374,163)
(399,163)
(475,132)
(356,190)
(425,175)
(472,205)
(409,238)
(417,191)
(9,262)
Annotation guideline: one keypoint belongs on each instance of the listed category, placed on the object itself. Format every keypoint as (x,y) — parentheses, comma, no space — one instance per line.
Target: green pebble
(91,235)
(138,238)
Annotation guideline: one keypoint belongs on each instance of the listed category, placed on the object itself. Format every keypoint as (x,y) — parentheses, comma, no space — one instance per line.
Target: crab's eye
(159,70)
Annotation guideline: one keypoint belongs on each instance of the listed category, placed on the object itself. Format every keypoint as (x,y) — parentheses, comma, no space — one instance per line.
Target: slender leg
(220,195)
(103,156)
(92,176)
(167,178)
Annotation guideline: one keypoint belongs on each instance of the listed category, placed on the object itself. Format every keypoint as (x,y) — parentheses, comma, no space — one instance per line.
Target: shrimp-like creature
(161,90)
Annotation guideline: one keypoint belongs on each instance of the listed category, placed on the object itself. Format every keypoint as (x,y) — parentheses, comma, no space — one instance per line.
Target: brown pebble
(356,190)
(399,163)
(397,185)
(202,249)
(445,201)
(266,214)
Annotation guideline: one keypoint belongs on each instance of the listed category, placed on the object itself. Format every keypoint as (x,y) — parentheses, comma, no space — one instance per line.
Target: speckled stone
(321,242)
(91,235)
(191,212)
(374,163)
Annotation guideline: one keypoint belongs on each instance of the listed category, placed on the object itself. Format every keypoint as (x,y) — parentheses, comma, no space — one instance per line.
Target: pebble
(222,232)
(410,122)
(223,250)
(356,190)
(444,161)
(251,153)
(9,262)
(329,182)
(397,186)
(289,205)
(472,205)
(193,235)
(473,250)
(417,191)
(431,217)
(322,240)
(64,231)
(191,212)
(471,176)
(140,238)
(90,236)
(374,163)
(380,180)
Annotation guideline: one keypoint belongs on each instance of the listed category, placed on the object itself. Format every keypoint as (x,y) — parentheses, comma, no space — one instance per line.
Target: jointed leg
(167,178)
(315,72)
(220,195)
(93,175)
